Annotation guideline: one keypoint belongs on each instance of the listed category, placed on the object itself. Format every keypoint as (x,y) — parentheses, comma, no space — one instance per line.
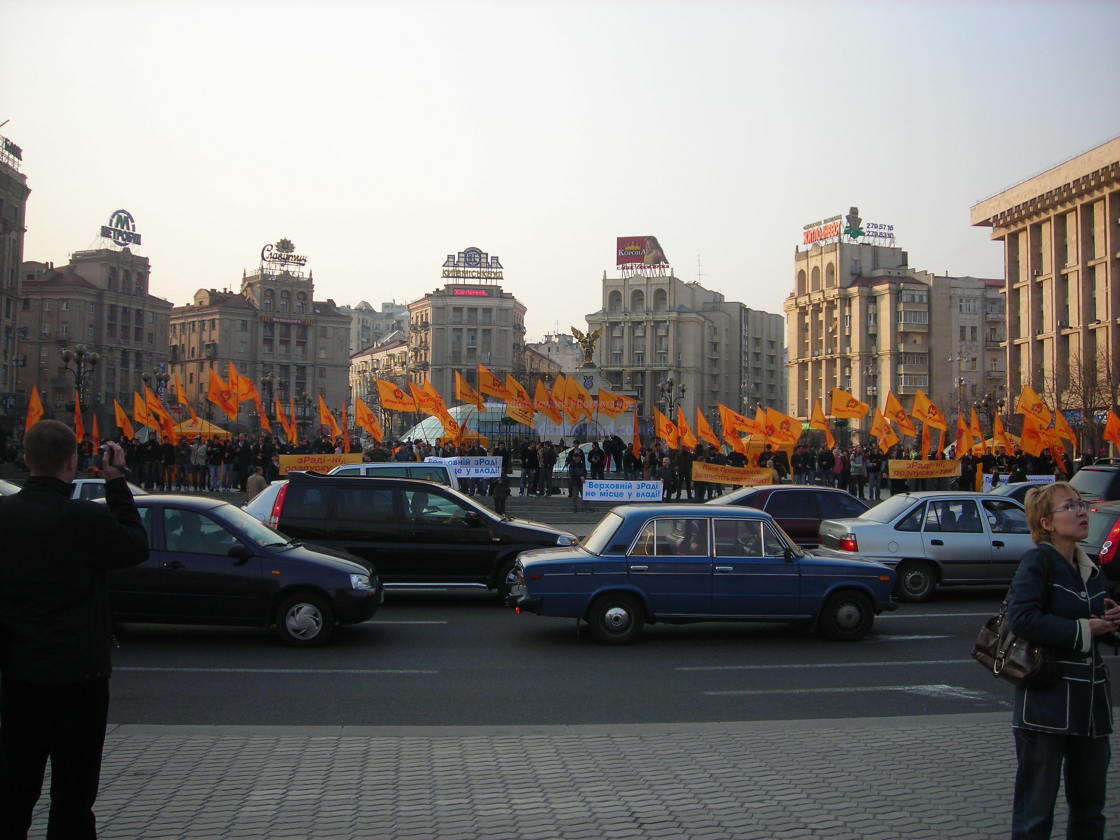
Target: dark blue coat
(1080,703)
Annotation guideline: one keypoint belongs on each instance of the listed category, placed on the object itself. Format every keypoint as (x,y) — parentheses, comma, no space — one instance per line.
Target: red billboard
(639,250)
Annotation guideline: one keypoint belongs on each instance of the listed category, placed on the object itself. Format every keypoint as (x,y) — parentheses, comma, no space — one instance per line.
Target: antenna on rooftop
(699,275)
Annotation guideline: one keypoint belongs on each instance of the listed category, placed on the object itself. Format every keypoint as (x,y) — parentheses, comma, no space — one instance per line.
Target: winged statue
(587,342)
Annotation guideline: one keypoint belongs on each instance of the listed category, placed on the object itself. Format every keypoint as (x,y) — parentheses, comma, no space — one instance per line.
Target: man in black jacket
(55,630)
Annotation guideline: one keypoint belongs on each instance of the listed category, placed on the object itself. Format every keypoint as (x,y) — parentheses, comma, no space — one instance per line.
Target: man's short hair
(48,445)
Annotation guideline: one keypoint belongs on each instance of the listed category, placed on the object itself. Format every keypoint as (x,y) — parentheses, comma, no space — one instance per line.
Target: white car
(936,537)
(94,488)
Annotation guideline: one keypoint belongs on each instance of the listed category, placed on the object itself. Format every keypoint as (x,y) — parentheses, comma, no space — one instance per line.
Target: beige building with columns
(1061,235)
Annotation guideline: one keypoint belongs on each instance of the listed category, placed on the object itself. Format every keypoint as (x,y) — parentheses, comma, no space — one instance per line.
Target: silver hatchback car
(936,537)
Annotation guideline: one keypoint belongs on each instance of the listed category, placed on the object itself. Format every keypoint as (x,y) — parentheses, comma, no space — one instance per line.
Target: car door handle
(725,569)
(639,568)
(936,542)
(172,564)
(997,543)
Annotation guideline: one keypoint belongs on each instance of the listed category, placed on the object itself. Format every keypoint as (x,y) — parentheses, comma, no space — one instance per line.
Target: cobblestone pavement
(914,777)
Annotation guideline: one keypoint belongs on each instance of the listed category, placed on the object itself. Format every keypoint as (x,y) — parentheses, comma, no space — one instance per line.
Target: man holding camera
(55,630)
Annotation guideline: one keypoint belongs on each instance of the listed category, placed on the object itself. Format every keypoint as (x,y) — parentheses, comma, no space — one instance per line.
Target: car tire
(504,580)
(616,619)
(304,620)
(916,581)
(847,616)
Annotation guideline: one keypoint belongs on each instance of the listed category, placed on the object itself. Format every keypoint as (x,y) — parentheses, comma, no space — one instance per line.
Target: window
(913,380)
(953,516)
(914,296)
(913,521)
(1005,517)
(911,316)
(363,504)
(793,504)
(673,537)
(191,532)
(426,508)
(738,537)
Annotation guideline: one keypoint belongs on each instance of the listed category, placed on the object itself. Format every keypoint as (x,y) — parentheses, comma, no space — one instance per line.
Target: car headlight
(564,539)
(360,582)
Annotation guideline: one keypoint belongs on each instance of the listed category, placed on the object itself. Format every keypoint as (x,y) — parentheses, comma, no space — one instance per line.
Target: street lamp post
(85,363)
(672,394)
(871,389)
(991,404)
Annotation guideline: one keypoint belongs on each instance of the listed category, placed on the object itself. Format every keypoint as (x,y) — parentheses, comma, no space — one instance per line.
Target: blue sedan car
(681,563)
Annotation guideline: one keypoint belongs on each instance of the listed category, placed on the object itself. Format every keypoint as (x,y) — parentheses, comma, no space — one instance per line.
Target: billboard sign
(472,264)
(121,229)
(282,253)
(640,251)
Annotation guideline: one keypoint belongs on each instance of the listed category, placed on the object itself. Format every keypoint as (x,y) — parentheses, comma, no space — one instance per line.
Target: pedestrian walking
(56,630)
(1058,598)
(256,483)
(577,469)
(499,489)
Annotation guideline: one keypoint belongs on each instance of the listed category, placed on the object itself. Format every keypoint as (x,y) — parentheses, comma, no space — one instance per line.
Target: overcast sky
(379,137)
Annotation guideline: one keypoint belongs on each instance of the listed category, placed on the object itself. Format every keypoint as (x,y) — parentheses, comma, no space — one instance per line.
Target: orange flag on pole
(665,428)
(704,429)
(293,428)
(393,397)
(1112,427)
(1063,429)
(612,404)
(141,414)
(977,432)
(820,422)
(543,403)
(345,430)
(844,404)
(519,406)
(733,425)
(999,436)
(122,421)
(1032,440)
(781,428)
(964,436)
(218,393)
(34,409)
(465,393)
(79,424)
(687,438)
(881,428)
(95,433)
(894,411)
(927,412)
(490,384)
(364,417)
(327,419)
(636,439)
(923,452)
(580,399)
(1031,404)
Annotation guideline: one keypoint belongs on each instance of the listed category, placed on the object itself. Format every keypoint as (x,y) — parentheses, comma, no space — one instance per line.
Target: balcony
(905,327)
(995,316)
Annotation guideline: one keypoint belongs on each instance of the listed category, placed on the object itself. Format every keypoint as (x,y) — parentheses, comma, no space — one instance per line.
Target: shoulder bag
(1011,657)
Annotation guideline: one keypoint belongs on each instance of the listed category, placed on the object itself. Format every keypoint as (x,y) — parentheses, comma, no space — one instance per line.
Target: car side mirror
(472,518)
(241,554)
(789,555)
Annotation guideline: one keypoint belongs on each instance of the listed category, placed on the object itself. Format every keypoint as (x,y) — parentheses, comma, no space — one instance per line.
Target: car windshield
(1092,482)
(887,510)
(467,502)
(600,537)
(253,528)
(1100,523)
(728,498)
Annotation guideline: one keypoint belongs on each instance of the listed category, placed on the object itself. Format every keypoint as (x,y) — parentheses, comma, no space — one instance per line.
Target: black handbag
(1015,659)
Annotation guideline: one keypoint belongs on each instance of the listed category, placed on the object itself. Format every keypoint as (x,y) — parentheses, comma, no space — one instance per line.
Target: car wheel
(505,580)
(616,619)
(916,581)
(847,616)
(305,619)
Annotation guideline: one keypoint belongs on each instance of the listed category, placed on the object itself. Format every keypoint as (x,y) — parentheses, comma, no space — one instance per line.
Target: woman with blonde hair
(1058,599)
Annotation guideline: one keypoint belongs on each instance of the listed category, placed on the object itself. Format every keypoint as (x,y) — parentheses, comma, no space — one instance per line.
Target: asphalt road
(460,659)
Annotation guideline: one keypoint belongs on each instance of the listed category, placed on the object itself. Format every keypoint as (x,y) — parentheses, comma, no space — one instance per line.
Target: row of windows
(638,300)
(268,301)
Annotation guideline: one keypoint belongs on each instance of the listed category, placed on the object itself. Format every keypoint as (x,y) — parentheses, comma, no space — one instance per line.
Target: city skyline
(382,145)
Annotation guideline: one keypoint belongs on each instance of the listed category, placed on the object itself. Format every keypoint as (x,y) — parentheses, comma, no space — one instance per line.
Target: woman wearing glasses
(1070,721)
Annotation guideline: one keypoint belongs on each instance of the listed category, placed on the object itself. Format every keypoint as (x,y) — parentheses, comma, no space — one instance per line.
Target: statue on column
(587,342)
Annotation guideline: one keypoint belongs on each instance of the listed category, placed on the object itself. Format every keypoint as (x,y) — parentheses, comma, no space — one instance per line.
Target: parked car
(415,533)
(1017,491)
(212,563)
(679,562)
(1103,542)
(94,488)
(936,537)
(425,471)
(7,488)
(797,508)
(1098,482)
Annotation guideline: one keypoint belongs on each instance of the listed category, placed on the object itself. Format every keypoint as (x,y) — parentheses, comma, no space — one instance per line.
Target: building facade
(860,318)
(13,212)
(470,321)
(656,328)
(1061,236)
(368,326)
(99,302)
(561,349)
(293,346)
(388,361)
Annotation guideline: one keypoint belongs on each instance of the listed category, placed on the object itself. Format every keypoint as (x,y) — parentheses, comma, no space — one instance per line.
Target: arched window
(830,276)
(112,279)
(139,284)
(801,282)
(268,302)
(285,300)
(660,300)
(126,282)
(816,282)
(614,301)
(637,301)
(301,303)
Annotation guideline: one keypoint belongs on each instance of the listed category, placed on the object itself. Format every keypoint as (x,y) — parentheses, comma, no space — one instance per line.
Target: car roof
(352,480)
(689,510)
(943,494)
(180,500)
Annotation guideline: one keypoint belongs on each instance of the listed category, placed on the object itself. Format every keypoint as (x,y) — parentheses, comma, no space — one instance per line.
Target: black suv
(415,533)
(1099,482)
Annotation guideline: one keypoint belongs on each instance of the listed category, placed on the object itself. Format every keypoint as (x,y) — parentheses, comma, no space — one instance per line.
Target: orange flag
(612,404)
(261,414)
(1062,428)
(181,393)
(999,436)
(977,431)
(79,424)
(820,422)
(894,411)
(964,436)
(940,443)
(519,406)
(95,433)
(1112,427)
(327,419)
(759,424)
(427,401)
(559,390)
(122,421)
(155,407)
(580,399)
(636,439)
(491,385)
(665,428)
(543,403)
(292,428)
(733,425)
(365,418)
(220,394)
(781,428)
(141,414)
(1032,441)
(881,428)
(844,404)
(704,430)
(34,409)
(345,430)
(927,412)
(278,413)
(465,393)
(1031,404)
(687,438)
(393,397)
(923,452)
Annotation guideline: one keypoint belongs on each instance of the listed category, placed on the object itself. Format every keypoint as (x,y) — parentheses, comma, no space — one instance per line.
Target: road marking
(953,692)
(936,615)
(809,665)
(403,622)
(890,638)
(359,671)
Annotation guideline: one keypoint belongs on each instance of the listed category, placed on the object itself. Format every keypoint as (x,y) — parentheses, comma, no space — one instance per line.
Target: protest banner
(471,466)
(1001,478)
(622,491)
(319,462)
(721,474)
(900,468)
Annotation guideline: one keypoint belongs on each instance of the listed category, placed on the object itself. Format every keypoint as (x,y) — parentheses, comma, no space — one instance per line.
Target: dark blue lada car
(680,563)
